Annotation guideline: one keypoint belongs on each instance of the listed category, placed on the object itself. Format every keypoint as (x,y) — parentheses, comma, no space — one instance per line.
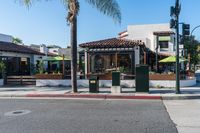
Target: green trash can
(115,78)
(94,84)
(142,78)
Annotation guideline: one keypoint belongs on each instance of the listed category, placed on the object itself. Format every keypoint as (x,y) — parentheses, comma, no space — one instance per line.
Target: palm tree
(107,7)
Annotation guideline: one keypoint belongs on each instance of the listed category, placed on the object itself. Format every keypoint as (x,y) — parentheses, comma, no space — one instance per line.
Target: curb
(95,96)
(102,96)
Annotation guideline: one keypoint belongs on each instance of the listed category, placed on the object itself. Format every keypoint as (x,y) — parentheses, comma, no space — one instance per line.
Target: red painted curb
(94,96)
(133,97)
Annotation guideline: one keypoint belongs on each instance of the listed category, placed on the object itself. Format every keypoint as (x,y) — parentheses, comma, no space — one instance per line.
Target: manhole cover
(17,112)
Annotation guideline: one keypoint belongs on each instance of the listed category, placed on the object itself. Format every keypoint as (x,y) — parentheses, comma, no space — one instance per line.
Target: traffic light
(172,23)
(186,30)
(172,11)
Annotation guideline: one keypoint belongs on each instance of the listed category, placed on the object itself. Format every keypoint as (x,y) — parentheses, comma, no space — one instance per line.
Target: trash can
(93,84)
(115,78)
(116,86)
(142,78)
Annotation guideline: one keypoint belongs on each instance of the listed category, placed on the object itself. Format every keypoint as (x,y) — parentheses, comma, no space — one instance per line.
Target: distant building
(5,38)
(54,49)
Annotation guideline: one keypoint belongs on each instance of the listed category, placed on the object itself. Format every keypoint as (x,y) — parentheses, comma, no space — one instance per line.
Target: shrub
(2,69)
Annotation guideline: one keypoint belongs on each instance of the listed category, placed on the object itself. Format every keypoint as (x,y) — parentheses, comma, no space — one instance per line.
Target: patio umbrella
(57,58)
(172,59)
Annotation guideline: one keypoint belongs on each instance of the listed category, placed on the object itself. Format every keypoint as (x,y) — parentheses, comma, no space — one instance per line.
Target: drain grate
(17,113)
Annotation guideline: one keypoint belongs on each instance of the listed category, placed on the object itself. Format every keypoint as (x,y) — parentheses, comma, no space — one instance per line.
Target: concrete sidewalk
(128,93)
(185,114)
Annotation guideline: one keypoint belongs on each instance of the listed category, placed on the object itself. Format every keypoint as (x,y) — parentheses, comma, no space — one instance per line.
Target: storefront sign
(23,59)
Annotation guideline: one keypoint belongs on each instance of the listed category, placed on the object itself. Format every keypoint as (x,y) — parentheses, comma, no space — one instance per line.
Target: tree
(107,7)
(17,40)
(191,47)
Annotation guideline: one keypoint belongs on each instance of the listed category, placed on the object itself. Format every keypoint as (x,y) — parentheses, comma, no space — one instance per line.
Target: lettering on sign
(92,81)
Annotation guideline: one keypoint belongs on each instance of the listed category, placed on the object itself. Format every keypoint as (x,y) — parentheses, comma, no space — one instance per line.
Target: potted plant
(2,72)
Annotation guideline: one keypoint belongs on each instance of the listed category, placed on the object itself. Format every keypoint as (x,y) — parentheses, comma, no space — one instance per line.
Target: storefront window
(110,62)
(16,65)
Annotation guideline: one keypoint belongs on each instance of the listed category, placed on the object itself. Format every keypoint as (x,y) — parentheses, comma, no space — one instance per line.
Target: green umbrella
(57,58)
(172,59)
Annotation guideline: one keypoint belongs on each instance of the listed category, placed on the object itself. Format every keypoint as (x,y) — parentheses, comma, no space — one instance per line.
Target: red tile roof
(112,43)
(11,47)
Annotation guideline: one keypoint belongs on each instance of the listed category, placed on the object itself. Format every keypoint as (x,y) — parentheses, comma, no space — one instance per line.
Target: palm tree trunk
(74,54)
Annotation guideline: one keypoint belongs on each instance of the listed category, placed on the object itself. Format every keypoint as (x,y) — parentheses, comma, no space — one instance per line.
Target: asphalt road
(85,116)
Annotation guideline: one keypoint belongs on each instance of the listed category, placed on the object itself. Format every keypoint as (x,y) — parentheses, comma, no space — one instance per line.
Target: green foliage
(41,67)
(121,69)
(17,40)
(2,69)
(107,7)
(192,48)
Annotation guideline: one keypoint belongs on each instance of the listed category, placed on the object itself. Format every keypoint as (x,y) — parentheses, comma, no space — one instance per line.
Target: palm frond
(107,7)
(27,3)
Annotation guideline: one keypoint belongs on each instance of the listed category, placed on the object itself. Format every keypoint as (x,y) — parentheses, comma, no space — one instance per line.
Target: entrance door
(25,66)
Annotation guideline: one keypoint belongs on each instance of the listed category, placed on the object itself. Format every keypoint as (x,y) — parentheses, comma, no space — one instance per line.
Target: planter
(162,76)
(1,82)
(49,76)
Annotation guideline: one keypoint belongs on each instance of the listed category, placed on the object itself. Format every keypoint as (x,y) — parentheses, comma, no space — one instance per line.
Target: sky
(45,22)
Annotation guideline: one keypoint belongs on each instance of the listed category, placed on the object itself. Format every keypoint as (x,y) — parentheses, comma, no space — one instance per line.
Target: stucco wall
(1,82)
(145,32)
(124,83)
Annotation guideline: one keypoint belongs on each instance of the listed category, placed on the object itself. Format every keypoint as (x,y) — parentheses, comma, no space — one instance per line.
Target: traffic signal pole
(177,51)
(174,23)
(177,12)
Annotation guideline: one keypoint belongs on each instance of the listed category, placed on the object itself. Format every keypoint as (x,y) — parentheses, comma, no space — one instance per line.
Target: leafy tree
(192,48)
(107,7)
(17,40)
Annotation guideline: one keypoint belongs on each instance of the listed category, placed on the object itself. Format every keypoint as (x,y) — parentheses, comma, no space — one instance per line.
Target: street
(84,116)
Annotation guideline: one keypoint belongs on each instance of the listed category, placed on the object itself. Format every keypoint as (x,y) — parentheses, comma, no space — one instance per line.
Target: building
(104,56)
(139,44)
(157,37)
(5,38)
(19,59)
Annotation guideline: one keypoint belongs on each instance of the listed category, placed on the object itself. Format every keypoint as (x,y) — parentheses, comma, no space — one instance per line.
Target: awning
(57,58)
(172,59)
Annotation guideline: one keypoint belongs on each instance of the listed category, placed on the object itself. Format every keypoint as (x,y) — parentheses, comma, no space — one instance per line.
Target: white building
(154,36)
(5,38)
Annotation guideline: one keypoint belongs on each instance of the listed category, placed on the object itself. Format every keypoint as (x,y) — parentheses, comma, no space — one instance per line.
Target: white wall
(145,33)
(54,50)
(5,38)
(124,83)
(43,49)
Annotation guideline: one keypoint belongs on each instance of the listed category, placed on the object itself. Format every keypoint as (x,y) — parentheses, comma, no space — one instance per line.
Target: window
(164,45)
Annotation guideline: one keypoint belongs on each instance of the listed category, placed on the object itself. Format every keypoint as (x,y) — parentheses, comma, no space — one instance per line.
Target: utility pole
(174,23)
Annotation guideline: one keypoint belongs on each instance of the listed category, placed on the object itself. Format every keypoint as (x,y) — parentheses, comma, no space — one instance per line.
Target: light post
(174,23)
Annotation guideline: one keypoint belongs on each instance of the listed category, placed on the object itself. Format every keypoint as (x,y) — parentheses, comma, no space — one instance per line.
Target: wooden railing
(21,80)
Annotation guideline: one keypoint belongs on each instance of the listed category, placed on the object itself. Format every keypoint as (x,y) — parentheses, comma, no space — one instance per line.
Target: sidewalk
(128,93)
